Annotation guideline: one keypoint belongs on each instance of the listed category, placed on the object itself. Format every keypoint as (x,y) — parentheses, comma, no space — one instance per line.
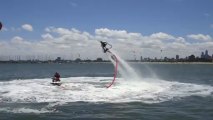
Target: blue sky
(178,18)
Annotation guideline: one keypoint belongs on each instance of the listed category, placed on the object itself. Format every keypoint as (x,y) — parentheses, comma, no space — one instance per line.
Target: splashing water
(91,89)
(126,71)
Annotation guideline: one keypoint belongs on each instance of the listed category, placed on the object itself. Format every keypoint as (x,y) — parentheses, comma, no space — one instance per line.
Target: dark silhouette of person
(56,77)
(103,45)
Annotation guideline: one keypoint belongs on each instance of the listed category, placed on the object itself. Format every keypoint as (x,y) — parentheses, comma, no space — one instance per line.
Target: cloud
(4,29)
(211,26)
(111,33)
(69,35)
(47,36)
(118,36)
(180,40)
(27,27)
(162,36)
(68,43)
(200,37)
(15,29)
(17,39)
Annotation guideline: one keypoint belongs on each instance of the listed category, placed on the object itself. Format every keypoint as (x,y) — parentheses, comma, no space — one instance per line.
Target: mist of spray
(125,70)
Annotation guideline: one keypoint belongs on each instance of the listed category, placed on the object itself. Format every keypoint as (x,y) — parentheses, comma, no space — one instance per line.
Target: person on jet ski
(56,77)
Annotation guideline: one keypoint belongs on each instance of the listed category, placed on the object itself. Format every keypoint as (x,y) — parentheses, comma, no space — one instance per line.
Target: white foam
(93,89)
(24,110)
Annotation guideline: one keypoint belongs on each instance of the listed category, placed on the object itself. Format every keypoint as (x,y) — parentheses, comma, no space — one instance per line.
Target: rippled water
(165,92)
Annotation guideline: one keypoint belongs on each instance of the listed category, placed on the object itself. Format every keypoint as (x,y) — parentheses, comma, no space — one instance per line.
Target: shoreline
(105,62)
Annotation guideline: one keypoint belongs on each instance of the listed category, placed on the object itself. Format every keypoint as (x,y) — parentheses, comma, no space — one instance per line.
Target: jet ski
(54,82)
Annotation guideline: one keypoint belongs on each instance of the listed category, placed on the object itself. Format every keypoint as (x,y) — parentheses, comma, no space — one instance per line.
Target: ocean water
(164,92)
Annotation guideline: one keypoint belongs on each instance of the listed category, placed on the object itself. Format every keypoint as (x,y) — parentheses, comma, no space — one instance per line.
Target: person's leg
(105,50)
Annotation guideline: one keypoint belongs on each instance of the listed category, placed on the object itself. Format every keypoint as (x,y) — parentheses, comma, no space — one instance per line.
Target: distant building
(206,53)
(166,59)
(77,60)
(177,57)
(58,59)
(207,56)
(99,60)
(202,55)
(191,58)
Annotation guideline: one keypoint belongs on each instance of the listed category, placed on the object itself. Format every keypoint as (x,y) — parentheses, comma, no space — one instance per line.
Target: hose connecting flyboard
(115,71)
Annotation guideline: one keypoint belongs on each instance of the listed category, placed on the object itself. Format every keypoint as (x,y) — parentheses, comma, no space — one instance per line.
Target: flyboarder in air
(105,49)
(104,46)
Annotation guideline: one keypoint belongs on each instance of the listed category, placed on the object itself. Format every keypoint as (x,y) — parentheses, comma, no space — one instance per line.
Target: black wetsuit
(103,45)
(57,77)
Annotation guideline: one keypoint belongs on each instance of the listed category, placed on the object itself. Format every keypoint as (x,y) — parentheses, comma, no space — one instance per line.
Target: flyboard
(113,57)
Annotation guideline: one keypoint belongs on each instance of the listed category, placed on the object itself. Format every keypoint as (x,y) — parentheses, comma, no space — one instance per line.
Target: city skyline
(147,28)
(202,58)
